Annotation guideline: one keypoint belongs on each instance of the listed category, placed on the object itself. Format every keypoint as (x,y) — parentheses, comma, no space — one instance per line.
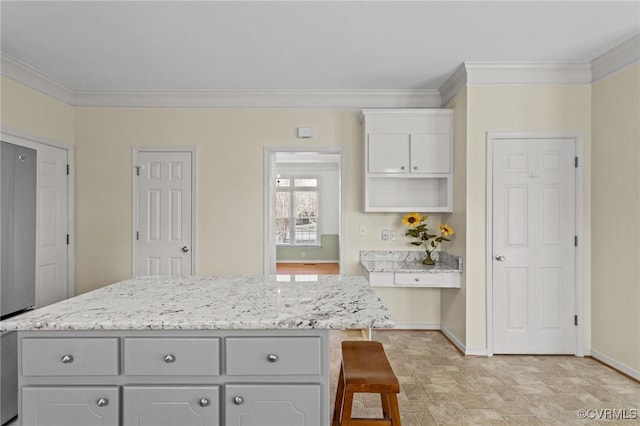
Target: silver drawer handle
(415,167)
(272,357)
(102,402)
(204,402)
(67,359)
(238,400)
(169,358)
(416,279)
(401,167)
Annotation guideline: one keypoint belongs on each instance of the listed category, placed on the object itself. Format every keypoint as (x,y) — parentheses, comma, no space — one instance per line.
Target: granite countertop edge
(215,303)
(409,261)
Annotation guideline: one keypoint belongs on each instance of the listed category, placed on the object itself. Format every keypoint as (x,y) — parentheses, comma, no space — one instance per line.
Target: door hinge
(67,239)
(137,170)
(576,162)
(575,241)
(575,320)
(68,170)
(137,235)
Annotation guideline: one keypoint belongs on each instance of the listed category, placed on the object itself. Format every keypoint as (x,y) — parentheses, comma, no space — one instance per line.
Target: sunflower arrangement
(418,229)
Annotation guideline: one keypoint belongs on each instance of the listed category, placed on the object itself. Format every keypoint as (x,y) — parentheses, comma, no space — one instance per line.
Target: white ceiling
(299,45)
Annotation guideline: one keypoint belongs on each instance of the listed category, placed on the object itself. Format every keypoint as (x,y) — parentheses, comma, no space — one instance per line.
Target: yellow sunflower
(413,219)
(446,229)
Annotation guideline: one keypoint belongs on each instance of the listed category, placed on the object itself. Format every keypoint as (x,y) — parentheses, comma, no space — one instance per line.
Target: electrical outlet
(363,230)
(393,234)
(303,254)
(385,235)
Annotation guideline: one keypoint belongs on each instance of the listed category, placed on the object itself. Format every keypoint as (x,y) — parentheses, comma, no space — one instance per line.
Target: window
(297,211)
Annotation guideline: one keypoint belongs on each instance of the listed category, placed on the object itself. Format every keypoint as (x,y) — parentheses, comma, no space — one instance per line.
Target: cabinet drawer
(170,405)
(273,405)
(70,405)
(70,356)
(273,355)
(172,356)
(441,280)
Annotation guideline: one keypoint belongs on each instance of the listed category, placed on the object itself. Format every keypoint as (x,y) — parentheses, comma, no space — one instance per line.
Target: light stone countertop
(216,302)
(409,261)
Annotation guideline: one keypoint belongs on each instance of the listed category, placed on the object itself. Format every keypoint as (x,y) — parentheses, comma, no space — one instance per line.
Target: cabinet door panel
(70,406)
(430,153)
(171,406)
(389,153)
(272,405)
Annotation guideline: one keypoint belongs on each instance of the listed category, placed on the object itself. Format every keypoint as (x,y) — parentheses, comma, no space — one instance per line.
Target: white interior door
(534,246)
(164,200)
(51,223)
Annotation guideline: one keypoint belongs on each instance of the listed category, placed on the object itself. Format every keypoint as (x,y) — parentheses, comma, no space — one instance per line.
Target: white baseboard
(615,364)
(307,261)
(416,326)
(458,344)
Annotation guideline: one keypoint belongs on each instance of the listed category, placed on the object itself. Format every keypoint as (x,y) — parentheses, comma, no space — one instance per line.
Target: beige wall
(615,266)
(230,146)
(541,108)
(32,113)
(453,301)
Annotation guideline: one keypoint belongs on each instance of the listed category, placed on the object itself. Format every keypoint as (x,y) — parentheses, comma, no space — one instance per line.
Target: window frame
(292,189)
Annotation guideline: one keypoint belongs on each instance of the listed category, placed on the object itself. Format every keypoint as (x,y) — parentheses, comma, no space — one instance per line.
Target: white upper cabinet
(408,160)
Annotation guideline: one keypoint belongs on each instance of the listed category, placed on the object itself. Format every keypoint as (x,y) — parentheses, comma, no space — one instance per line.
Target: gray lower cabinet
(272,405)
(170,405)
(174,378)
(70,406)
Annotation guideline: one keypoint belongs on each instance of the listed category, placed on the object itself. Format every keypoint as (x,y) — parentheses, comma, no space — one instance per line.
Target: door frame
(577,137)
(18,137)
(269,247)
(136,150)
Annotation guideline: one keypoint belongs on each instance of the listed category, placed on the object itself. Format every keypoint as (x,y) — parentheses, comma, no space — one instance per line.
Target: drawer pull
(67,359)
(102,402)
(238,400)
(169,358)
(416,279)
(204,402)
(272,357)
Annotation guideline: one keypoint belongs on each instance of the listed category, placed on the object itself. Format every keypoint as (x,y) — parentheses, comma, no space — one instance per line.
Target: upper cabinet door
(388,153)
(430,153)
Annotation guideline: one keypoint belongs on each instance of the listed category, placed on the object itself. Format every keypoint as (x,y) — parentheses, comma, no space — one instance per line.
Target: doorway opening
(303,211)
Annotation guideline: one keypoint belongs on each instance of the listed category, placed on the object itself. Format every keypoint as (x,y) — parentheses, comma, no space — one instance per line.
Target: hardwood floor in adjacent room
(308,268)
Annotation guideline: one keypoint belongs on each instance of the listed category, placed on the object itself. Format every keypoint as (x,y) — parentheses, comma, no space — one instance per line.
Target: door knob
(185,249)
(500,258)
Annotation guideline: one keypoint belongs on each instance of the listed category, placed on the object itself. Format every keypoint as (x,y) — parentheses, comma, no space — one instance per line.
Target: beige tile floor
(439,386)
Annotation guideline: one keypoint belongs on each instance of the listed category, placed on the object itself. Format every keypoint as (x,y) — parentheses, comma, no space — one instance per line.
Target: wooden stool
(365,368)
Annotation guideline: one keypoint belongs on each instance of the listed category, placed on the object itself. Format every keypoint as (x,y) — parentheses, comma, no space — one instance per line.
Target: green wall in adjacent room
(328,250)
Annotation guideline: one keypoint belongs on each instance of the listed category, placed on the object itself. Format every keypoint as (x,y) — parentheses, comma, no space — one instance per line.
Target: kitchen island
(242,350)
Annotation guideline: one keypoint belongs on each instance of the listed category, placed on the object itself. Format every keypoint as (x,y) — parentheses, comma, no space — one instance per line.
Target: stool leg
(384,399)
(395,411)
(337,407)
(346,409)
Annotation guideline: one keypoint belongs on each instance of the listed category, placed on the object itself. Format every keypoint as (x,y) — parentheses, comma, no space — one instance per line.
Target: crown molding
(25,74)
(262,99)
(515,73)
(454,84)
(617,58)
